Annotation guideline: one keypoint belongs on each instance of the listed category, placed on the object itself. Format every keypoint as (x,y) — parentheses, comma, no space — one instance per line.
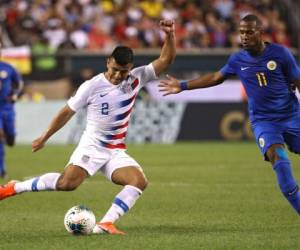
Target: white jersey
(109,106)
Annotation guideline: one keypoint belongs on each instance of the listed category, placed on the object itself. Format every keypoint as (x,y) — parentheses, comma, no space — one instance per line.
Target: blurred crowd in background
(48,27)
(102,24)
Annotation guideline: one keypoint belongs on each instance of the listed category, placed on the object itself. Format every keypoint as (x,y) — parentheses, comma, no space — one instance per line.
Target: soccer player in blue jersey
(11,85)
(270,75)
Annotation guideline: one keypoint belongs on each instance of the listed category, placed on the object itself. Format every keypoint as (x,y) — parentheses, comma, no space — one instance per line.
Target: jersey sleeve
(80,99)
(145,74)
(228,69)
(16,80)
(290,66)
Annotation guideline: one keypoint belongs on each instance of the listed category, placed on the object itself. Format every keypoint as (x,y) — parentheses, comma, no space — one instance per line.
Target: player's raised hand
(169,86)
(37,144)
(167,26)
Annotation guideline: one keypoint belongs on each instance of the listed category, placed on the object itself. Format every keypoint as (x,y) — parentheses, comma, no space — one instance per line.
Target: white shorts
(106,161)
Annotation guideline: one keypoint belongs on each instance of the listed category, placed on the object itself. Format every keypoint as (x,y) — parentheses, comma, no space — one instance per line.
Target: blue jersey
(8,77)
(267,79)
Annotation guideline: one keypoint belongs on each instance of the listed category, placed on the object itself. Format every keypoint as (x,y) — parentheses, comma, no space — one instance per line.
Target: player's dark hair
(122,55)
(252,18)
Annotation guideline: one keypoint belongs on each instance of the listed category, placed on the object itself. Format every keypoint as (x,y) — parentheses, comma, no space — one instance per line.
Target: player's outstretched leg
(41,183)
(135,182)
(69,180)
(286,181)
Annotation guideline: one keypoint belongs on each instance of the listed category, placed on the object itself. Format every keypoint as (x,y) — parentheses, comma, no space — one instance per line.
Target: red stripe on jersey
(115,146)
(135,83)
(122,126)
(119,136)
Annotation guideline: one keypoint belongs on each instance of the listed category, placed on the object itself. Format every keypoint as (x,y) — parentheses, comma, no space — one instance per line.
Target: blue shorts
(285,131)
(7,122)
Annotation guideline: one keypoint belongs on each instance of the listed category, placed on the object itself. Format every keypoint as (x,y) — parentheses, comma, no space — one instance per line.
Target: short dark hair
(122,55)
(252,18)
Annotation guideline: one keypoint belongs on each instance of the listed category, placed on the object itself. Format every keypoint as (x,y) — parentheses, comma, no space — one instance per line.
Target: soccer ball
(79,220)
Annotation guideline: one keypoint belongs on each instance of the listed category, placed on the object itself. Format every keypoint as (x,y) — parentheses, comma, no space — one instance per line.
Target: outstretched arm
(168,51)
(174,86)
(64,115)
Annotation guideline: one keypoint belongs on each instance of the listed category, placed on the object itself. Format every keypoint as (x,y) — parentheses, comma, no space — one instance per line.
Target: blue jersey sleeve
(228,69)
(290,66)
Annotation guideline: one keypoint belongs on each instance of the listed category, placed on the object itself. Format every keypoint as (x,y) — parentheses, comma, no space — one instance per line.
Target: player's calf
(286,181)
(71,178)
(66,185)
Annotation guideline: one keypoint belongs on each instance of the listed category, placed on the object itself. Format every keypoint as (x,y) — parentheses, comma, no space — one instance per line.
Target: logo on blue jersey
(271,65)
(261,142)
(244,68)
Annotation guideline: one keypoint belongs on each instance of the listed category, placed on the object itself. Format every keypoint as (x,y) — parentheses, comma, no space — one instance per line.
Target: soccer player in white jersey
(109,98)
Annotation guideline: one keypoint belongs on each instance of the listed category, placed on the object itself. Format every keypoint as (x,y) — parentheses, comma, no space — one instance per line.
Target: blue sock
(287,183)
(2,163)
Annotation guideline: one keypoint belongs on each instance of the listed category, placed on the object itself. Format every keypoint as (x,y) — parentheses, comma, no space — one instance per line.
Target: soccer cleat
(7,190)
(106,227)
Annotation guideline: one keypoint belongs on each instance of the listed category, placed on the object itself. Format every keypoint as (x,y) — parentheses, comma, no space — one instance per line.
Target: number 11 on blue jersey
(261,79)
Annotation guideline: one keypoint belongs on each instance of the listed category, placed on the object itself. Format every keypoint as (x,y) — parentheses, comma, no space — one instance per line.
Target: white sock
(43,182)
(122,203)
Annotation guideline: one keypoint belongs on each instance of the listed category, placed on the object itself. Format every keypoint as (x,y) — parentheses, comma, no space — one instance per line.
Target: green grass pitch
(205,195)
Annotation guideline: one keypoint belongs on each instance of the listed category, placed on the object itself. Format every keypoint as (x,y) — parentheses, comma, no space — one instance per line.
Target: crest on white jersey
(271,65)
(128,85)
(85,158)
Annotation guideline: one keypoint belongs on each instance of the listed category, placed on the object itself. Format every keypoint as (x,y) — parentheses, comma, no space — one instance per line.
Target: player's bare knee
(272,157)
(278,153)
(142,185)
(140,182)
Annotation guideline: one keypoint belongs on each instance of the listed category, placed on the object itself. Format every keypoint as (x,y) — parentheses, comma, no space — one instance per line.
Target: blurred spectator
(152,8)
(44,59)
(169,11)
(79,38)
(224,7)
(98,38)
(132,37)
(55,32)
(100,24)
(279,35)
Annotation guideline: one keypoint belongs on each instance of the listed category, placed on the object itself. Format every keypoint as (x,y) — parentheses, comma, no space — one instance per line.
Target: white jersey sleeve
(80,99)
(145,73)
